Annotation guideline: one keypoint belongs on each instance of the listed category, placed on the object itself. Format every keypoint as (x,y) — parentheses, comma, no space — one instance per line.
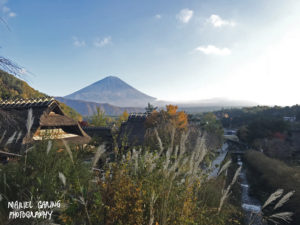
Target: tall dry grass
(142,186)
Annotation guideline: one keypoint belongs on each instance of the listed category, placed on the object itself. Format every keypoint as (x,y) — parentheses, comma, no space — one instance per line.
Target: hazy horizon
(180,51)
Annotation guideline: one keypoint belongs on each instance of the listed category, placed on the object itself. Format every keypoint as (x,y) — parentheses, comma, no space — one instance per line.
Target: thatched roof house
(23,121)
(105,133)
(132,132)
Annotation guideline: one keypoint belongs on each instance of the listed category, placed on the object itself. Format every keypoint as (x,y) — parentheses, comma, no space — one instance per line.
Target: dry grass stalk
(29,149)
(29,122)
(196,158)
(224,167)
(285,216)
(135,158)
(49,146)
(183,140)
(151,209)
(226,191)
(98,154)
(11,138)
(277,194)
(161,148)
(68,150)
(62,178)
(284,199)
(19,136)
(3,136)
(173,131)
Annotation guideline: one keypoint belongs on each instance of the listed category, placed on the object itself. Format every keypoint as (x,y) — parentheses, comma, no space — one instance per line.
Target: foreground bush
(267,175)
(148,187)
(44,173)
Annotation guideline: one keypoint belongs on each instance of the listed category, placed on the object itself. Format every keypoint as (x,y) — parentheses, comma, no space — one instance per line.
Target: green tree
(99,119)
(150,108)
(264,128)
(213,127)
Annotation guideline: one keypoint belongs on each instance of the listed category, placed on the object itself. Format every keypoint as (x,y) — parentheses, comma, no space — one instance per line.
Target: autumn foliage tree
(179,119)
(166,122)
(123,118)
(169,116)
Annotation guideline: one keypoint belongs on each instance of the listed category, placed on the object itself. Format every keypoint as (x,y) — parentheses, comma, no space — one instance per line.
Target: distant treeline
(240,117)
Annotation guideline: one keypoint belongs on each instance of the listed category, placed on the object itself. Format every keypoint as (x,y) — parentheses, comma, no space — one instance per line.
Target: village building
(105,133)
(133,131)
(24,121)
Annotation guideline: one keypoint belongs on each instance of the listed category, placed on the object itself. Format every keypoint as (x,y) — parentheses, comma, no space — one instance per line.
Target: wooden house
(23,121)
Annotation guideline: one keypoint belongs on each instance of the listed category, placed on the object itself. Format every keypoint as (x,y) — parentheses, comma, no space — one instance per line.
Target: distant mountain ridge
(89,108)
(114,96)
(13,87)
(114,91)
(86,108)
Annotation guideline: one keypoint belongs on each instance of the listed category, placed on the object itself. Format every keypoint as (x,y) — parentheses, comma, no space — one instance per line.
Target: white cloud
(213,50)
(77,42)
(217,21)
(12,14)
(6,10)
(99,43)
(185,15)
(158,16)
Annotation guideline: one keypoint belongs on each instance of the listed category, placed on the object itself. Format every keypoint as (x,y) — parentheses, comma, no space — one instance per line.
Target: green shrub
(267,175)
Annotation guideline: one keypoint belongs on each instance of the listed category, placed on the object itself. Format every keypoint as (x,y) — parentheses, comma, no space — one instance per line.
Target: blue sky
(173,50)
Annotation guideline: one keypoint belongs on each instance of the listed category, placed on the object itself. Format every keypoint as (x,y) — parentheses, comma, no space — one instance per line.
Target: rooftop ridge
(26,102)
(138,115)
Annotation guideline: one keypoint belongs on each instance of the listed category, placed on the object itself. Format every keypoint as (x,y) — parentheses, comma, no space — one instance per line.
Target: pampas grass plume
(49,146)
(277,194)
(99,152)
(62,178)
(30,120)
(284,199)
(68,150)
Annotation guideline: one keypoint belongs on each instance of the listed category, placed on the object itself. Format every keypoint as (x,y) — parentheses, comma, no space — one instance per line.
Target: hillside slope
(12,87)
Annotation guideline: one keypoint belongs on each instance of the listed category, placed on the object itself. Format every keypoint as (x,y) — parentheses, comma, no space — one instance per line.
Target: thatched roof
(56,120)
(46,114)
(132,132)
(103,132)
(19,103)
